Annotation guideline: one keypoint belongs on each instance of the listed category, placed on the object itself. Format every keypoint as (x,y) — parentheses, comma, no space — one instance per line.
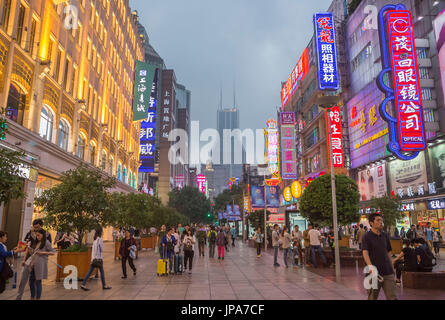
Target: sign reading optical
(328,78)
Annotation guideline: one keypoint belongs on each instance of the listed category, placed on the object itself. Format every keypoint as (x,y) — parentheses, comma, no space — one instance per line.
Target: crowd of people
(180,245)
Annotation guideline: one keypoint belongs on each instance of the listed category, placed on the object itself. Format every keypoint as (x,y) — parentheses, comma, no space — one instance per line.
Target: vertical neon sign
(399,57)
(326,51)
(336,142)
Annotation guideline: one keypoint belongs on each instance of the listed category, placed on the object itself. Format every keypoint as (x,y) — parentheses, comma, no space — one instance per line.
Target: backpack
(212,237)
(427,259)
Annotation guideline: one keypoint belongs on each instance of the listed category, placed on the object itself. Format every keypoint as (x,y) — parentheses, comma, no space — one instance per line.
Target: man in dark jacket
(124,253)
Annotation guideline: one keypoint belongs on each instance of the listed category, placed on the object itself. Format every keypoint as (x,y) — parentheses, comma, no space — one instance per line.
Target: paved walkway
(241,276)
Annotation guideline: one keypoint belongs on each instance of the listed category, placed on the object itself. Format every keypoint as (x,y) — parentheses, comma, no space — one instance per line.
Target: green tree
(256,219)
(80,203)
(190,202)
(131,210)
(389,208)
(316,201)
(11,185)
(166,215)
(227,197)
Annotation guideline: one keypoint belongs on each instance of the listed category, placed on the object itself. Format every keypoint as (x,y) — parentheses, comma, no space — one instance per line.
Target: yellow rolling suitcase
(163,266)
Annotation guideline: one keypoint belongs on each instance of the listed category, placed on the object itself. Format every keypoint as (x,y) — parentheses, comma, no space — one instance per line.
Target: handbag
(97,263)
(7,272)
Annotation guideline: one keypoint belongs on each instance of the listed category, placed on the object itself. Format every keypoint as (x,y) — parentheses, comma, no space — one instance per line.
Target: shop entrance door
(12,222)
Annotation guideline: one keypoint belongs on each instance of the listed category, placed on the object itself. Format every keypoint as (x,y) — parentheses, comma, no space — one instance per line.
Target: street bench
(423,280)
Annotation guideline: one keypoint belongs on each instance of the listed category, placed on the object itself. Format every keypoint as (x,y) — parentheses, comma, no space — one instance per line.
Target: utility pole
(334,201)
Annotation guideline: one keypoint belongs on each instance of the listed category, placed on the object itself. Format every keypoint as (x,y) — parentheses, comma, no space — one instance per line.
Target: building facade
(67,86)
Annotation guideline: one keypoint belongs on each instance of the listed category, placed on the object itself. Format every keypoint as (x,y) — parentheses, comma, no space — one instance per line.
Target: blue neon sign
(325,40)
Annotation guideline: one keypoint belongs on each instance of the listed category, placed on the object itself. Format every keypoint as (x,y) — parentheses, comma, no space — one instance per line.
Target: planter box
(81,260)
(344,242)
(397,246)
(117,246)
(148,243)
(423,280)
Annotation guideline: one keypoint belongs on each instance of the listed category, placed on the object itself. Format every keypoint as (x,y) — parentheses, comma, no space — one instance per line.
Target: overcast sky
(254,43)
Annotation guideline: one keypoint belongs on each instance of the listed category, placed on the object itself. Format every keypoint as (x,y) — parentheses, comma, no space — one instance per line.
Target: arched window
(46,124)
(81,147)
(63,135)
(124,176)
(119,170)
(111,166)
(92,153)
(103,161)
(16,104)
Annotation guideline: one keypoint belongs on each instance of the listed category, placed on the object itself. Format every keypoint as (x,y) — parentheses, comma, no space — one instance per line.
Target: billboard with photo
(409,178)
(372,182)
(439,31)
(437,161)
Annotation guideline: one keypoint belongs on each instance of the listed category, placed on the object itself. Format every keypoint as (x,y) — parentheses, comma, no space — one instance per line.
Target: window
(20,24)
(46,123)
(92,153)
(362,57)
(63,135)
(119,169)
(312,138)
(73,80)
(124,175)
(58,62)
(65,75)
(81,147)
(422,53)
(103,161)
(32,37)
(424,73)
(426,94)
(6,14)
(110,166)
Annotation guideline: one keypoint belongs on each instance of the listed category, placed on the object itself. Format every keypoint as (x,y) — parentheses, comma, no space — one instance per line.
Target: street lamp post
(264,166)
(334,202)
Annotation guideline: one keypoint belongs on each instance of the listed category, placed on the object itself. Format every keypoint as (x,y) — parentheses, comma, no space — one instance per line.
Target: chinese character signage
(246,204)
(143,102)
(335,142)
(409,178)
(406,128)
(272,146)
(147,133)
(436,204)
(288,146)
(326,51)
(201,179)
(298,74)
(368,133)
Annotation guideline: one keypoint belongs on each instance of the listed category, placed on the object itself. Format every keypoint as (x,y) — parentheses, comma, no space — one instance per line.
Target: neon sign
(298,74)
(288,147)
(326,51)
(406,131)
(335,142)
(201,179)
(272,147)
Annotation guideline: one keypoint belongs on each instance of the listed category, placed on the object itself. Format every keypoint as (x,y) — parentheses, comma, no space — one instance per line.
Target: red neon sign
(336,142)
(408,99)
(298,74)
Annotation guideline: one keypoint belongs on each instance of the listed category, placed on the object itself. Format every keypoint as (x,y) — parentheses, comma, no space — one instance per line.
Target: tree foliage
(256,219)
(227,197)
(168,216)
(11,185)
(389,208)
(132,210)
(190,202)
(80,203)
(316,201)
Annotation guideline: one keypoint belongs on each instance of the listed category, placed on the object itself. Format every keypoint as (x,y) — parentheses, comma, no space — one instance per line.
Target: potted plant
(79,204)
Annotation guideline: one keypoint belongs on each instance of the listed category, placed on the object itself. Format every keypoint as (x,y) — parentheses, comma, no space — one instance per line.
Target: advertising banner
(288,146)
(257,195)
(437,161)
(439,31)
(143,100)
(409,178)
(368,133)
(372,182)
(326,51)
(335,142)
(298,74)
(272,197)
(147,133)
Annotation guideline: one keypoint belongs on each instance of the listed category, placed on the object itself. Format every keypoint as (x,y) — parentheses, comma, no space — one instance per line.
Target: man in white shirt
(314,238)
(275,245)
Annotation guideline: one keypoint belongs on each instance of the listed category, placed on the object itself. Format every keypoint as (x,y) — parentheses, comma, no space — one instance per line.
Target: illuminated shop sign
(288,146)
(335,142)
(298,74)
(272,152)
(436,204)
(326,51)
(143,84)
(406,130)
(201,180)
(147,134)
